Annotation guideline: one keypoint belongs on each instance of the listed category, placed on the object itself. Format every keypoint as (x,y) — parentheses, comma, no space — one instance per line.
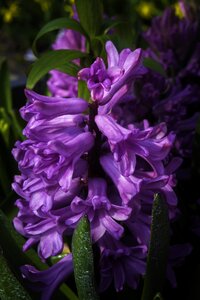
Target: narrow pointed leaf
(83,261)
(11,243)
(5,124)
(10,287)
(83,91)
(158,250)
(58,59)
(6,100)
(16,127)
(5,88)
(68,292)
(90,15)
(55,25)
(71,69)
(158,297)
(154,65)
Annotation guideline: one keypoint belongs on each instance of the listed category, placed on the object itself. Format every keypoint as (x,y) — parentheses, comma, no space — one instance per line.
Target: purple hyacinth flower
(48,281)
(60,127)
(121,264)
(139,222)
(101,213)
(103,83)
(127,143)
(45,107)
(62,85)
(45,230)
(54,161)
(41,196)
(167,35)
(59,183)
(128,187)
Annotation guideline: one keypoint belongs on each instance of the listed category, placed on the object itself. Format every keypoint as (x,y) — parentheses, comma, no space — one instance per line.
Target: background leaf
(55,25)
(158,296)
(10,287)
(154,65)
(158,250)
(58,59)
(12,243)
(83,261)
(5,89)
(83,91)
(90,15)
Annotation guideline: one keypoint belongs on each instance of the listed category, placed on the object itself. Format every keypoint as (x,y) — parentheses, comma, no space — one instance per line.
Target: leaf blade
(57,59)
(83,261)
(10,287)
(158,250)
(11,242)
(154,65)
(5,87)
(90,15)
(55,25)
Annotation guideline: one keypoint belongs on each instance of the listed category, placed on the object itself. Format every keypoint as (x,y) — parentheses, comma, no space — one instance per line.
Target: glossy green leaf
(10,287)
(90,15)
(83,261)
(158,250)
(83,91)
(55,25)
(58,59)
(154,65)
(5,89)
(71,69)
(11,243)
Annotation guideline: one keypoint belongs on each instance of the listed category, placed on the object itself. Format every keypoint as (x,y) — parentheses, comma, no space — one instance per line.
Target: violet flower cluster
(173,99)
(102,159)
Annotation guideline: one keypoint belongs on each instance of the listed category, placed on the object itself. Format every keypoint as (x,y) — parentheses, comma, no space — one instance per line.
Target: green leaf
(83,91)
(11,243)
(83,261)
(58,59)
(6,102)
(5,89)
(98,46)
(154,65)
(17,129)
(158,250)
(90,15)
(68,292)
(158,296)
(5,124)
(55,25)
(71,69)
(110,24)
(10,287)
